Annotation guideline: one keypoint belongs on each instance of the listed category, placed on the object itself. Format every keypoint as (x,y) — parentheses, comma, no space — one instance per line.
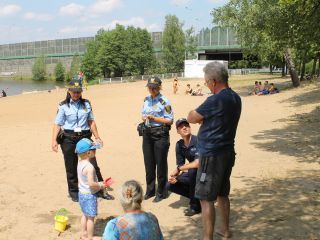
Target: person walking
(74,121)
(219,116)
(157,116)
(182,180)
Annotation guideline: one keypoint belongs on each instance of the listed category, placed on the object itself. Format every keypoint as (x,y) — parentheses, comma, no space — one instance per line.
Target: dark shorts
(217,178)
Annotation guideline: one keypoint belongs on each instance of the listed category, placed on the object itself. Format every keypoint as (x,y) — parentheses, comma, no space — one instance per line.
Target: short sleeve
(90,115)
(168,112)
(209,108)
(111,232)
(180,159)
(61,117)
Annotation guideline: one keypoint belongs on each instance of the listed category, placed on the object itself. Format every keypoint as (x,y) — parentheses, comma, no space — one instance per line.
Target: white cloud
(8,10)
(134,21)
(92,29)
(179,2)
(72,9)
(104,6)
(68,30)
(38,17)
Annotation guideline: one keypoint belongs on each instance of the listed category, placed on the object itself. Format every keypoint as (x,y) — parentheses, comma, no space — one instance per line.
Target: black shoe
(105,195)
(190,212)
(147,196)
(158,199)
(75,199)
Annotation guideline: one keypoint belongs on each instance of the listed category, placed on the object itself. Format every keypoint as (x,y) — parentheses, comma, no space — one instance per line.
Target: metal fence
(139,78)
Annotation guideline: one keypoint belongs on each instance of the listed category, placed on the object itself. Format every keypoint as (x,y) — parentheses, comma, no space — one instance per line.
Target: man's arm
(194,117)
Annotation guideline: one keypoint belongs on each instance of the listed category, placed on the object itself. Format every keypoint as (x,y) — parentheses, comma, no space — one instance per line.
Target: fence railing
(139,78)
(243,71)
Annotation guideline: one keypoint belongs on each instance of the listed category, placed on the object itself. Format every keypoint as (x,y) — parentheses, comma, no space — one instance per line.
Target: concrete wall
(194,68)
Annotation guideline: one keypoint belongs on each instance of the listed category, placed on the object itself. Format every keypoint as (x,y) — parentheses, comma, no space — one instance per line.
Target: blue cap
(85,144)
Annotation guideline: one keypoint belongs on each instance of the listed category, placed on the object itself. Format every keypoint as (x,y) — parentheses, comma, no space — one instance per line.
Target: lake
(15,87)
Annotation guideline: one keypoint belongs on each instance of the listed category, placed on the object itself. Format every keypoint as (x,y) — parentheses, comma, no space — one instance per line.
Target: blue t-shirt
(221,113)
(133,226)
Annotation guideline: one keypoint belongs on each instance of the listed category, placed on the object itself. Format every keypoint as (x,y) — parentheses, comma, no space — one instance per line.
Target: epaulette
(145,99)
(163,102)
(62,103)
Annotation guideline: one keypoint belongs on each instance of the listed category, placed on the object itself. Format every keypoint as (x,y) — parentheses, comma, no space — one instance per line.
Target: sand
(275,182)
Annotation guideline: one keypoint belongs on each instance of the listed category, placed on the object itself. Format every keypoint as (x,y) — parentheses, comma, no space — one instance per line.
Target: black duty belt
(157,129)
(73,133)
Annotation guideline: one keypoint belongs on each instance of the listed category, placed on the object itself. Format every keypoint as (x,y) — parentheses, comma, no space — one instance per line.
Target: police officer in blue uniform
(182,180)
(76,119)
(157,116)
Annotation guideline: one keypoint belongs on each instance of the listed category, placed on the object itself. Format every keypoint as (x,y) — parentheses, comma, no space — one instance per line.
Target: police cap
(154,82)
(75,85)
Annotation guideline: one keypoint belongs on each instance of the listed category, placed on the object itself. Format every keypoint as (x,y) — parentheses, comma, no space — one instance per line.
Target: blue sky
(22,20)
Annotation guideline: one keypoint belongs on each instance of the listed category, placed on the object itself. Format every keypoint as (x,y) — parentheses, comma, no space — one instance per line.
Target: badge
(77,130)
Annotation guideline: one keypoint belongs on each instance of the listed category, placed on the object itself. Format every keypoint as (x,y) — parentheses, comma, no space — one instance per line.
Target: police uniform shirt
(183,152)
(75,115)
(159,106)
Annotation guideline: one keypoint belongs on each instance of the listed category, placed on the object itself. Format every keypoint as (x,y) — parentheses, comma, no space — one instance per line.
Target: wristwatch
(178,168)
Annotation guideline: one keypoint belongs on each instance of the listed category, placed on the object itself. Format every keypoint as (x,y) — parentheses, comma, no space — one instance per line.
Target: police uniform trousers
(155,152)
(185,186)
(68,147)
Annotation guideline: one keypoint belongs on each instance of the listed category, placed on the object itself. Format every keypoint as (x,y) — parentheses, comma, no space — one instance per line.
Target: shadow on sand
(278,208)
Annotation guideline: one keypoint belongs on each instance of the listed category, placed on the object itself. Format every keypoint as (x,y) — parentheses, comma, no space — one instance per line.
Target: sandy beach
(275,182)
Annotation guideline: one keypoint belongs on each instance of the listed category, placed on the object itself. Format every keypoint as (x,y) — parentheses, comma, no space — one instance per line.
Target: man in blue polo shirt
(218,116)
(182,180)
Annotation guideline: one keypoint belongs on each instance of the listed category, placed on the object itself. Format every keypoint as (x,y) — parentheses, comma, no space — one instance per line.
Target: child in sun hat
(88,186)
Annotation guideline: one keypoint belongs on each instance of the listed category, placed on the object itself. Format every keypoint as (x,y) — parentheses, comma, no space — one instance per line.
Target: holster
(141,128)
(60,136)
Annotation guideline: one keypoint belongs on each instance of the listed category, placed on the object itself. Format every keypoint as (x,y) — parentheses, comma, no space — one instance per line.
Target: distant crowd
(188,89)
(265,89)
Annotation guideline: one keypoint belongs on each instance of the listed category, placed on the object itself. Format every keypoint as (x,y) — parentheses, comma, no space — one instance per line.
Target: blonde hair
(131,196)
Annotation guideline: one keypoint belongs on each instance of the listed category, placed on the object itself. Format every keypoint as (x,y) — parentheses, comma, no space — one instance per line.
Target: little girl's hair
(131,195)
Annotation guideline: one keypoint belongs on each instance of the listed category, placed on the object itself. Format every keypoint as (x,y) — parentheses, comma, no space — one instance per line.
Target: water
(15,87)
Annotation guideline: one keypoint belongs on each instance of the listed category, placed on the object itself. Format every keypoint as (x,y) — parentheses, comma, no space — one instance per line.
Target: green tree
(75,66)
(39,69)
(89,64)
(59,72)
(191,43)
(173,42)
(139,51)
(264,28)
(118,52)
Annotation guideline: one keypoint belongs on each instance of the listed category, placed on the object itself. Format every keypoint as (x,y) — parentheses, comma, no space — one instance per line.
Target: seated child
(88,187)
(188,89)
(256,88)
(273,89)
(198,91)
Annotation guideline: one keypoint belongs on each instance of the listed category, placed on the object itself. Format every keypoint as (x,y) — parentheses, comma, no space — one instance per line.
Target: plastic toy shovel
(108,182)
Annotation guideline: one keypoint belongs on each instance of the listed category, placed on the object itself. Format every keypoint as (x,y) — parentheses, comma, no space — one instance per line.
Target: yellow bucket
(60,223)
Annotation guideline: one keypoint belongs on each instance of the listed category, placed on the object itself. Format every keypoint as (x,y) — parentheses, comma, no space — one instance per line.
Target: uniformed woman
(157,116)
(75,118)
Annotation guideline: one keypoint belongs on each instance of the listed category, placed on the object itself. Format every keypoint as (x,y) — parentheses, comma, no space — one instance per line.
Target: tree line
(128,51)
(278,32)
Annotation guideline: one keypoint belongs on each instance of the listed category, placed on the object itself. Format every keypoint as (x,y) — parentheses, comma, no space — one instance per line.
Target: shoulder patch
(168,108)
